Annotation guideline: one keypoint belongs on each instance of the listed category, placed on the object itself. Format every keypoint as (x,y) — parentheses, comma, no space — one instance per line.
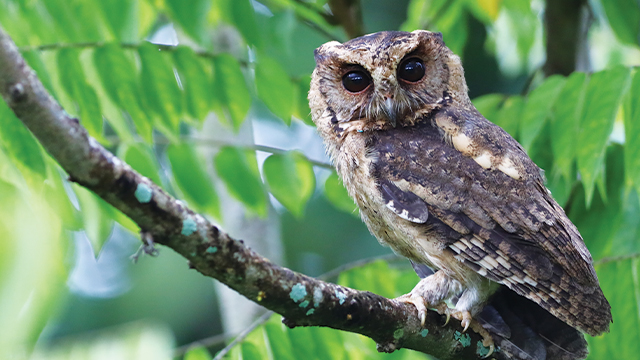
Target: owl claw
(418,302)
(443,309)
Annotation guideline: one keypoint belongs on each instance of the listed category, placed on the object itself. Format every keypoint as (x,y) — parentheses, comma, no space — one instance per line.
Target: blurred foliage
(142,77)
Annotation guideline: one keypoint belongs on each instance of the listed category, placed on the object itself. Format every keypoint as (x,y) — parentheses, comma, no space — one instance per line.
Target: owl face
(386,78)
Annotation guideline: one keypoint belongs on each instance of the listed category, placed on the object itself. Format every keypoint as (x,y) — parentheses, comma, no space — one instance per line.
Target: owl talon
(443,309)
(418,302)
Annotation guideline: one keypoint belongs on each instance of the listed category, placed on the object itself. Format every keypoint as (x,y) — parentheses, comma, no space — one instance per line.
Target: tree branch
(348,13)
(302,300)
(562,26)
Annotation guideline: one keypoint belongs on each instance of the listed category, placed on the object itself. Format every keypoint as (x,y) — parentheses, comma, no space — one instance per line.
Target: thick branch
(349,15)
(562,24)
(302,300)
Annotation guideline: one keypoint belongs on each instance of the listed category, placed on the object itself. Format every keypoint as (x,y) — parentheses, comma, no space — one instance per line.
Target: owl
(452,192)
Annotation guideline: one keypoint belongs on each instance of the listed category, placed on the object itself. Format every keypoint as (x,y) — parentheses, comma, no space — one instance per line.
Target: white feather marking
(483,160)
(507,167)
(491,261)
(530,281)
(503,262)
(462,143)
(485,264)
(477,243)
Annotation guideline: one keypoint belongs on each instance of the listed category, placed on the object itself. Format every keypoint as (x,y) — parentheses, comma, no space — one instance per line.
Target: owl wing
(504,226)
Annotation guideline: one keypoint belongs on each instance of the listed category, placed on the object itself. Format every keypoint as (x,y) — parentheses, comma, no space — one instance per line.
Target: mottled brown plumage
(443,186)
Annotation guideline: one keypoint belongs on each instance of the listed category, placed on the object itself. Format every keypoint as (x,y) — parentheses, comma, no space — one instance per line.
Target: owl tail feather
(525,331)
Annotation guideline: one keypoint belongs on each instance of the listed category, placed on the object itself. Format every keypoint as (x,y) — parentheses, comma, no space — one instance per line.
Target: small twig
(606,260)
(207,342)
(261,320)
(219,143)
(355,264)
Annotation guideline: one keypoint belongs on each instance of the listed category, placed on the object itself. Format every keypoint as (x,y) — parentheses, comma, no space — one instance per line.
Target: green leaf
(19,143)
(240,14)
(192,180)
(489,105)
(119,79)
(620,283)
(632,135)
(624,19)
(602,100)
(198,353)
(275,88)
(120,16)
(537,108)
(84,97)
(279,341)
(565,121)
(35,62)
(191,17)
(509,116)
(142,159)
(238,169)
(232,90)
(250,351)
(56,195)
(136,341)
(338,195)
(194,76)
(162,94)
(97,217)
(33,251)
(302,110)
(291,180)
(376,277)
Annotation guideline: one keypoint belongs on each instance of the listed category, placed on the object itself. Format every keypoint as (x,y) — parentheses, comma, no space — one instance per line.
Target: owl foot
(467,321)
(418,302)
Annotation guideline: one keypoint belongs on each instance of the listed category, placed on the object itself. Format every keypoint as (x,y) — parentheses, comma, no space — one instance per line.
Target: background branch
(562,28)
(302,300)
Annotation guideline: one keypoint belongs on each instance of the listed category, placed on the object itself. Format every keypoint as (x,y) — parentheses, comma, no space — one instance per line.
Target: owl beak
(390,111)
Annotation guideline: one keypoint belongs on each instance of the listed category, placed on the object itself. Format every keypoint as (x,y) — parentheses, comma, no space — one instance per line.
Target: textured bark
(302,300)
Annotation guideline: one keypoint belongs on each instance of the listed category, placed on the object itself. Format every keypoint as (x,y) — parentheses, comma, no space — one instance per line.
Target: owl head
(383,80)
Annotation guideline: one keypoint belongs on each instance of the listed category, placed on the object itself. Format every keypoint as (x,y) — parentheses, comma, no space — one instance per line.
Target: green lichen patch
(143,193)
(311,311)
(212,250)
(188,227)
(398,334)
(481,349)
(424,332)
(298,292)
(464,339)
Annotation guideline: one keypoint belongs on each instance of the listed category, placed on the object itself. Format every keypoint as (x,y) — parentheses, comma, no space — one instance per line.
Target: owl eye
(411,70)
(355,81)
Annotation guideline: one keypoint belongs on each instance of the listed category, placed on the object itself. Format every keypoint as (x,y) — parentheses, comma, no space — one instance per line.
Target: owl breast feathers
(446,188)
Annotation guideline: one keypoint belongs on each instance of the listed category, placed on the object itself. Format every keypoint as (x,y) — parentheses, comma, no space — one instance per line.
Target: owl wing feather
(506,229)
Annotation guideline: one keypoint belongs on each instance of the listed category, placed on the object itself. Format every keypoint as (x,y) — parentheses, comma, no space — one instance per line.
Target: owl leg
(431,292)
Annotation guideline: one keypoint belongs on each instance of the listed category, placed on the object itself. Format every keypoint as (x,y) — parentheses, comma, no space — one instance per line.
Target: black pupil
(355,81)
(411,70)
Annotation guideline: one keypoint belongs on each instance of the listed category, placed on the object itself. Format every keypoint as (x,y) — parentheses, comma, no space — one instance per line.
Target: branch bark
(302,300)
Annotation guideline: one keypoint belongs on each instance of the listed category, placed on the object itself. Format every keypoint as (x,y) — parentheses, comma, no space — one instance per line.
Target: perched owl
(446,188)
